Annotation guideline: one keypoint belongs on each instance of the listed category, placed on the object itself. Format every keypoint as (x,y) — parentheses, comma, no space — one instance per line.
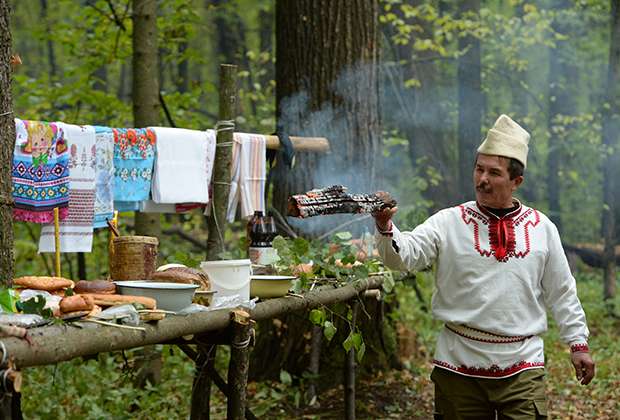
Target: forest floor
(102,388)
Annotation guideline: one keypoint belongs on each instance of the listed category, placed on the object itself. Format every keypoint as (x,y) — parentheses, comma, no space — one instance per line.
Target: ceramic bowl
(267,286)
(169,296)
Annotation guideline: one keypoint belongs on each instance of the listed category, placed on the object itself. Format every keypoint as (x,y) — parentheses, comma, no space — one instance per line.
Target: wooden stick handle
(57,241)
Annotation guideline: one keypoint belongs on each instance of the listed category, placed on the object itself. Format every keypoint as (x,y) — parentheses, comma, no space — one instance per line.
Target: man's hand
(383,217)
(584,366)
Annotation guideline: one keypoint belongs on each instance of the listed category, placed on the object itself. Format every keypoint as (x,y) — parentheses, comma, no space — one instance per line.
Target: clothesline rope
(6,113)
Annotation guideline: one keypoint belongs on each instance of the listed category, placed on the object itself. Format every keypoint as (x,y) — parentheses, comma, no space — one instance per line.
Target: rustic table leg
(239,364)
(201,389)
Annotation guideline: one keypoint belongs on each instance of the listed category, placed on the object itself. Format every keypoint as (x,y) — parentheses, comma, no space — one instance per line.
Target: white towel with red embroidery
(183,165)
(248,175)
(497,278)
(76,230)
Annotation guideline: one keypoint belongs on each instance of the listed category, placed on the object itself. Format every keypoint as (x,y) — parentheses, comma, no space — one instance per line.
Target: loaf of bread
(95,286)
(48,284)
(187,275)
(111,300)
(76,303)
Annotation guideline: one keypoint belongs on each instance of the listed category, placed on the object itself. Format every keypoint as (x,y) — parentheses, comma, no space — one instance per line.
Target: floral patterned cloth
(134,153)
(104,178)
(76,231)
(40,171)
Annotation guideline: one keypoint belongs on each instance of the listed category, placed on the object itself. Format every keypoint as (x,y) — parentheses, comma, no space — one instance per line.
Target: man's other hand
(584,366)
(383,217)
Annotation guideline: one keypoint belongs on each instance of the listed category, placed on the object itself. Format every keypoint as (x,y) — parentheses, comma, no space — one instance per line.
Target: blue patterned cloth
(134,155)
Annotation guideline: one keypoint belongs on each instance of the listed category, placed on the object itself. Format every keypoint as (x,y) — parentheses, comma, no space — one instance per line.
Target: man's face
(492,181)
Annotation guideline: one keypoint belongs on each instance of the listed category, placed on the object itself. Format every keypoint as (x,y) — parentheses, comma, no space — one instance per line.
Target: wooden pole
(239,364)
(349,371)
(306,144)
(216,221)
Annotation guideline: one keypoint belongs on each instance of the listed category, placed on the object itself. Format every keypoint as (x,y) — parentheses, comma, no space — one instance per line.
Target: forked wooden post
(239,364)
(201,400)
(216,222)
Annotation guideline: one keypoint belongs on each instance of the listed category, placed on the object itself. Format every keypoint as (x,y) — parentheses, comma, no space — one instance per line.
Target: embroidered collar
(509,215)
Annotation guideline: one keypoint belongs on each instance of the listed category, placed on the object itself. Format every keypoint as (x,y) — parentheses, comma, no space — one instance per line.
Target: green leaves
(329,330)
(317,316)
(8,298)
(355,341)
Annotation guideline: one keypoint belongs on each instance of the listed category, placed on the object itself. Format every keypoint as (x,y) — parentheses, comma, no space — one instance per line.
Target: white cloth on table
(76,230)
(183,165)
(248,175)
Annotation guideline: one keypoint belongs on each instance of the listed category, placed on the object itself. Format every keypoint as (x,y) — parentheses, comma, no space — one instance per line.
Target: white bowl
(169,296)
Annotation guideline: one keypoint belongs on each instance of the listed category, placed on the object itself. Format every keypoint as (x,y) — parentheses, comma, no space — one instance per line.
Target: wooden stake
(239,364)
(201,388)
(349,372)
(57,241)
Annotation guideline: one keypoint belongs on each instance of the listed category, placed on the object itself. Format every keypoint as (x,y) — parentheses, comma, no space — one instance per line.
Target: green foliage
(8,298)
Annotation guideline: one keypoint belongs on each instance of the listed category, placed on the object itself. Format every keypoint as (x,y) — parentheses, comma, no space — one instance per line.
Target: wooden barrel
(134,258)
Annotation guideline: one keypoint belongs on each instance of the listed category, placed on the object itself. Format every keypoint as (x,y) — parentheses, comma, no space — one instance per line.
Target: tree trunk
(562,73)
(7,142)
(470,101)
(327,56)
(10,407)
(51,56)
(145,92)
(611,128)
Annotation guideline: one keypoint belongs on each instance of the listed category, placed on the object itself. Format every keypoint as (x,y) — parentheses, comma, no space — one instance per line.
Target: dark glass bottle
(262,233)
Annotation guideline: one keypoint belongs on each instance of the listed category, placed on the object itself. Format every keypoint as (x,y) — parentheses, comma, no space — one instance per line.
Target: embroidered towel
(104,176)
(134,151)
(76,231)
(183,165)
(40,175)
(247,175)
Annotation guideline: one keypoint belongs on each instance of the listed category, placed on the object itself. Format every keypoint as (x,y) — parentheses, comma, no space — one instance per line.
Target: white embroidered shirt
(495,279)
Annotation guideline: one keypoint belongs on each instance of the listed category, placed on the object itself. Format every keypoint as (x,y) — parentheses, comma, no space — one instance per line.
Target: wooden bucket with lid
(133,257)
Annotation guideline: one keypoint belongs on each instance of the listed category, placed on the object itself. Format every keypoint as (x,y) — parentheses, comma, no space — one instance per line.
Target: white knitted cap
(508,139)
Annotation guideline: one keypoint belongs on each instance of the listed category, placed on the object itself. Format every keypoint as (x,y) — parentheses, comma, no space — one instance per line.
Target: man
(499,266)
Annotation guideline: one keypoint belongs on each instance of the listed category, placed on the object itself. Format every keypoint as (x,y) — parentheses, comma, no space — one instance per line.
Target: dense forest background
(444,71)
(544,63)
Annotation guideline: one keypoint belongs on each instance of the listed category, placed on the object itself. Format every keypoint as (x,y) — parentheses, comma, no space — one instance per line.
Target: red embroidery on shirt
(491,372)
(580,348)
(502,232)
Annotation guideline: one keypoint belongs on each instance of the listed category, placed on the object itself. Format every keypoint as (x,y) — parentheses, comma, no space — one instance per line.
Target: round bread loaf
(95,286)
(183,275)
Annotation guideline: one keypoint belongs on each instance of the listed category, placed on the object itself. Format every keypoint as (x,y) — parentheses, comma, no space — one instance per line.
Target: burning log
(332,200)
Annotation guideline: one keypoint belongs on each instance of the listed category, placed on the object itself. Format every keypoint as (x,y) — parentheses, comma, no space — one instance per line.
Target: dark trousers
(521,396)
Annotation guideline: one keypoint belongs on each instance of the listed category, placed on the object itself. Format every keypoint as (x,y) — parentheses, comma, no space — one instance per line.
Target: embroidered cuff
(579,348)
(387,232)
